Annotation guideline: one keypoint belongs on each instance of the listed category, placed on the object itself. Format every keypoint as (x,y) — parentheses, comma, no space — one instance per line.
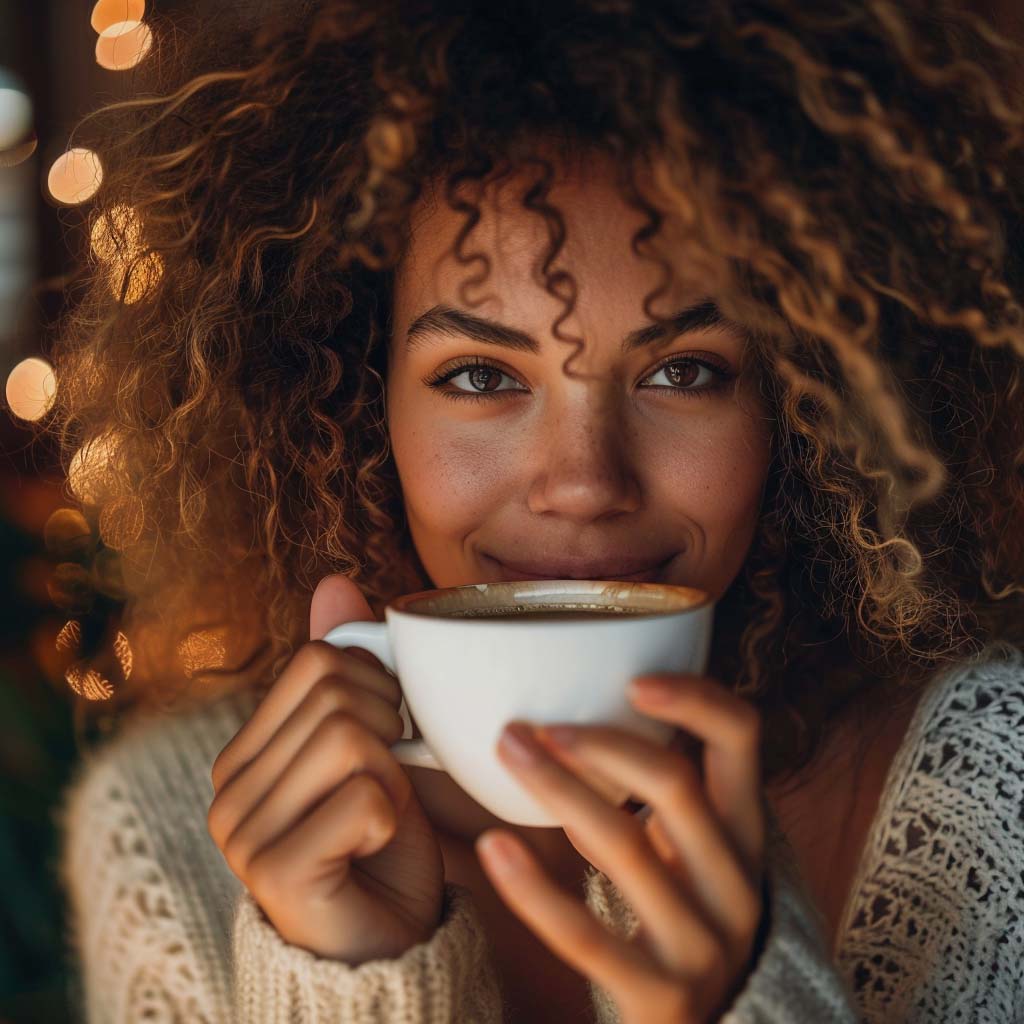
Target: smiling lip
(580,572)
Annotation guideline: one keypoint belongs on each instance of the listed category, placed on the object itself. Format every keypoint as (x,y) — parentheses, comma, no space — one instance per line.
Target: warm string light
(91,469)
(75,176)
(116,240)
(88,683)
(202,650)
(31,389)
(123,40)
(109,12)
(123,37)
(122,45)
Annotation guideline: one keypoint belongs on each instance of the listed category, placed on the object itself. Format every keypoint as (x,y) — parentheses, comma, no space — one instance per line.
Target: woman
(408,298)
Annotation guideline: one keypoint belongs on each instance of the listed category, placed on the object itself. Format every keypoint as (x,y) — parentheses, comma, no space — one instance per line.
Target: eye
(480,373)
(688,375)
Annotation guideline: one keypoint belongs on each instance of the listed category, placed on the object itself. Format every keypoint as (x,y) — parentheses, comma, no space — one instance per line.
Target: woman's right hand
(314,814)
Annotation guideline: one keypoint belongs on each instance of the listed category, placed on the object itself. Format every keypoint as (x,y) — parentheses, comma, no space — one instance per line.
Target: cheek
(450,482)
(716,479)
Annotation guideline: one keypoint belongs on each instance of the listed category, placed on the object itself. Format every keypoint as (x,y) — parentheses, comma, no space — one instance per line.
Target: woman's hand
(692,871)
(314,814)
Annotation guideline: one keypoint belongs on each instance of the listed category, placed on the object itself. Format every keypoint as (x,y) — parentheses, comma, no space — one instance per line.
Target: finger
(730,728)
(682,939)
(311,663)
(336,600)
(355,819)
(566,926)
(253,781)
(714,876)
(338,748)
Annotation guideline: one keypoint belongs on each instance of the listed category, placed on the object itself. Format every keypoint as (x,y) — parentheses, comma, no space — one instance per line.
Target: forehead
(596,238)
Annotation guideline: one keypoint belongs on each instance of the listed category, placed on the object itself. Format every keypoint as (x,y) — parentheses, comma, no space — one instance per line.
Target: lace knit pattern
(933,930)
(154,926)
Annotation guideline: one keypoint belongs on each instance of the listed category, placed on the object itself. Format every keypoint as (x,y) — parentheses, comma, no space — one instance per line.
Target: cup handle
(373,637)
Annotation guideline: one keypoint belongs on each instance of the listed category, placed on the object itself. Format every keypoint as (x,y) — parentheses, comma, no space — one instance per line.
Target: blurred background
(60,60)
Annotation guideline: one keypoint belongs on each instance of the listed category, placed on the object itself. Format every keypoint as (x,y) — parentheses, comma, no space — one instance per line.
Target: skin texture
(636,470)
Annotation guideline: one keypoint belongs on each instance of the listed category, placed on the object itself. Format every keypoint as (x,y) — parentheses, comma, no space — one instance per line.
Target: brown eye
(691,376)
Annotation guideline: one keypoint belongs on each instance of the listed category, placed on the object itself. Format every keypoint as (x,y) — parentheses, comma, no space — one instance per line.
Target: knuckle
(218,769)
(315,658)
(237,853)
(339,727)
(328,694)
(216,820)
(224,763)
(374,803)
(264,876)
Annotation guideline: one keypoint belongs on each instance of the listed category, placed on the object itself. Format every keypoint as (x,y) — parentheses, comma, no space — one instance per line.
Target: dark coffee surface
(562,612)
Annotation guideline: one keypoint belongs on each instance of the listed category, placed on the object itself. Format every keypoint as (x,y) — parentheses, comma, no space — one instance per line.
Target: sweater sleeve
(793,978)
(162,929)
(448,978)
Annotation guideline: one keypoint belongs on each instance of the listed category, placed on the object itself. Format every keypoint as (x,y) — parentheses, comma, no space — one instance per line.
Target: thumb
(337,600)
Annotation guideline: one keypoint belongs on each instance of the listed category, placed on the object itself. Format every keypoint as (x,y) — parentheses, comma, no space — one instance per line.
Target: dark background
(50,45)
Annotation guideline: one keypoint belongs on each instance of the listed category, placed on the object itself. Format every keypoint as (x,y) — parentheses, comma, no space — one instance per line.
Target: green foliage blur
(37,752)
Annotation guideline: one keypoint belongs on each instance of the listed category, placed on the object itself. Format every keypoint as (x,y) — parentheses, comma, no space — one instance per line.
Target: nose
(585,466)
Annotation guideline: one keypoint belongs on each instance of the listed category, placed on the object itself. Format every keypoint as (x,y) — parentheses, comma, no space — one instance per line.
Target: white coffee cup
(464,678)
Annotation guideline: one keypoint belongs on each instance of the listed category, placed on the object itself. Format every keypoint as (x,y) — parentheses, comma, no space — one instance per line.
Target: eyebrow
(443,320)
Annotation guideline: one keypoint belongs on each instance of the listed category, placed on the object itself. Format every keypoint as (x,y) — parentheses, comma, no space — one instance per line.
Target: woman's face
(655,462)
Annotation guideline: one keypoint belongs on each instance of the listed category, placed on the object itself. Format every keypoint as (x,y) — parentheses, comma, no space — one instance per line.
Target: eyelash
(438,380)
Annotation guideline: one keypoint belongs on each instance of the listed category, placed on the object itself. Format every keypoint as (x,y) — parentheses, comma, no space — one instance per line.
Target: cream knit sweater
(933,929)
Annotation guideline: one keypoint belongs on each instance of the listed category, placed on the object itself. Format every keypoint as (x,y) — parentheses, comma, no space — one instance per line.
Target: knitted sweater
(932,929)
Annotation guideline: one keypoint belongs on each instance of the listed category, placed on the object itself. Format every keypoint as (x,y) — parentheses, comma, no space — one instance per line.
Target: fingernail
(519,744)
(498,851)
(652,689)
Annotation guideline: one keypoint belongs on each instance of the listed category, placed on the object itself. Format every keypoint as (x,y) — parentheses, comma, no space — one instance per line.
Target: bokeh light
(122,45)
(91,469)
(15,116)
(75,176)
(116,231)
(121,522)
(123,650)
(69,639)
(31,388)
(109,12)
(116,239)
(202,650)
(143,276)
(88,683)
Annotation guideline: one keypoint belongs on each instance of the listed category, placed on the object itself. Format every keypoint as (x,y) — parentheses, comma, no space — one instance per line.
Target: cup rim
(697,598)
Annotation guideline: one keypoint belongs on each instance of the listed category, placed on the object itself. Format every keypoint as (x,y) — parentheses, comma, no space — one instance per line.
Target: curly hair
(846,174)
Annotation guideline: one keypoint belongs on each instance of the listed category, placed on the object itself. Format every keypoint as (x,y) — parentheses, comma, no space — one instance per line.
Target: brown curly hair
(847,173)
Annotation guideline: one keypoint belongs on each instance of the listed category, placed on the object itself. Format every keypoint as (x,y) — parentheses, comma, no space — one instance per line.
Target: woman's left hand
(692,871)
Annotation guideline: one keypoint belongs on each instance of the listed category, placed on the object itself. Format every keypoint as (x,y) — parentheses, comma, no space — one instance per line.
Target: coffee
(563,612)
